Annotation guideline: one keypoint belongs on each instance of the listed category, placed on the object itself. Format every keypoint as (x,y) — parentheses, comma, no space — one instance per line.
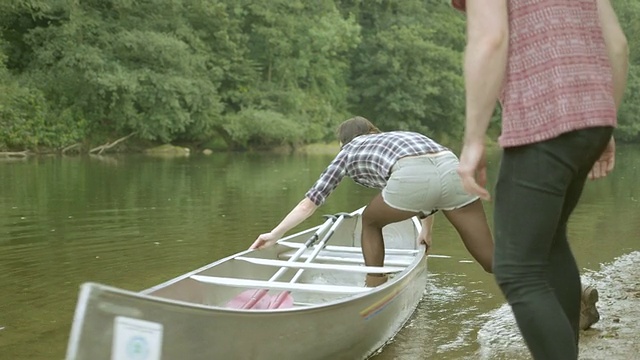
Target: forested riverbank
(122,75)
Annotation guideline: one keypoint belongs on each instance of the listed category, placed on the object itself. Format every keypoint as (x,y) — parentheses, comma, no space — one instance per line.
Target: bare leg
(471,224)
(375,216)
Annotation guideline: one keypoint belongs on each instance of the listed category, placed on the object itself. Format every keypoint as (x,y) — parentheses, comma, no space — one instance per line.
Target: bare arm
(297,215)
(618,53)
(617,48)
(485,62)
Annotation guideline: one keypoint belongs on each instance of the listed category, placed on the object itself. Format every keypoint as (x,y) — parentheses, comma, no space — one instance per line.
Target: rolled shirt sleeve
(329,179)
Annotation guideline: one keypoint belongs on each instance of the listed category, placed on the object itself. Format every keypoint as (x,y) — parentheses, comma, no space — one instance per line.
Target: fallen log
(71,147)
(17,154)
(100,149)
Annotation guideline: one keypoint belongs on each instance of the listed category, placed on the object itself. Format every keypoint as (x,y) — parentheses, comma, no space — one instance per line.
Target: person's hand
(425,238)
(264,240)
(473,170)
(604,165)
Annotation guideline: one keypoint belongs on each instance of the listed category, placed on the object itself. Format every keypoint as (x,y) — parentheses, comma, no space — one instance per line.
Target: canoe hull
(108,319)
(353,330)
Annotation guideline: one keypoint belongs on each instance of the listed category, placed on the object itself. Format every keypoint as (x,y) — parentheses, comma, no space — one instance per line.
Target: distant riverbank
(135,146)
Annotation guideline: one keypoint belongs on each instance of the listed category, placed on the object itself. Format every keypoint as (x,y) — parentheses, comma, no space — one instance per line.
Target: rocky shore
(615,337)
(617,334)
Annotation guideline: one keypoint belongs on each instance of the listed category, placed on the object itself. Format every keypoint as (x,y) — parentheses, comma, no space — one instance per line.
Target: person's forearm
(427,224)
(297,215)
(485,62)
(617,48)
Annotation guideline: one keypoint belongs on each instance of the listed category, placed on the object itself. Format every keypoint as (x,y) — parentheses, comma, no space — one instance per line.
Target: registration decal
(135,339)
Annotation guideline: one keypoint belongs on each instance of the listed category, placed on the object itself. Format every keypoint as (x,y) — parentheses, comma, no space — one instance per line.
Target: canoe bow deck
(333,315)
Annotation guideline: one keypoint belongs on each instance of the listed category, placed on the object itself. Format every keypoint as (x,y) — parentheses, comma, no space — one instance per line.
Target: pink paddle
(249,299)
(284,300)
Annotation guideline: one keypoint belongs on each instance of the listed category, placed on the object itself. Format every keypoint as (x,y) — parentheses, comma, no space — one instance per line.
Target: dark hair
(354,127)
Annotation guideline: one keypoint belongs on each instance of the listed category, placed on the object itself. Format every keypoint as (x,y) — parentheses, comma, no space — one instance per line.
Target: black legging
(538,187)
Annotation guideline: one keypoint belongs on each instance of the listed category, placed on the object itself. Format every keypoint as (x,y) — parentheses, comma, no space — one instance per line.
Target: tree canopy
(248,74)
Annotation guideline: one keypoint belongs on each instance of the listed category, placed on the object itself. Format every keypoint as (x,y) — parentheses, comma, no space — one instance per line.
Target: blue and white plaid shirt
(368,159)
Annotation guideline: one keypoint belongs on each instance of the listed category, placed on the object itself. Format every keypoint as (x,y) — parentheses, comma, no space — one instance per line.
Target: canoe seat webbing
(320,266)
(277,285)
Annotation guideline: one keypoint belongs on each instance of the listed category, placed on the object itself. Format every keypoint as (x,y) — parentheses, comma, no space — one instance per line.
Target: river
(133,221)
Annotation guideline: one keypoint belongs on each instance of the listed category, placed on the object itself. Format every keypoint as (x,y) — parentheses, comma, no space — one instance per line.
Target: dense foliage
(247,74)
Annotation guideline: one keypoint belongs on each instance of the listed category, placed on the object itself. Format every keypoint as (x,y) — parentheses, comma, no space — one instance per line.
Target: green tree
(125,71)
(407,72)
(300,49)
(25,118)
(255,74)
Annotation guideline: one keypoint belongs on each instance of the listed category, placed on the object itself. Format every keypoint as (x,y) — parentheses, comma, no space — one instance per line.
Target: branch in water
(100,149)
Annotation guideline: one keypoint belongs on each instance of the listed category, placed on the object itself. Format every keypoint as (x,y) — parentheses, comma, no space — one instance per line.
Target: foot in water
(588,312)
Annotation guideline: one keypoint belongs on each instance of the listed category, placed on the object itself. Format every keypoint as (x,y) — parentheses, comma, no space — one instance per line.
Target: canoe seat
(350,257)
(320,266)
(277,285)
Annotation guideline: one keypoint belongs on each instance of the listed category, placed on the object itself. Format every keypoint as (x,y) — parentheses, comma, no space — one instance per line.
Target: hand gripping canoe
(255,298)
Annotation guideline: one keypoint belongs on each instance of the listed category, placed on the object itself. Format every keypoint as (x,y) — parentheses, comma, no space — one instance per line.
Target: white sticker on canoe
(135,339)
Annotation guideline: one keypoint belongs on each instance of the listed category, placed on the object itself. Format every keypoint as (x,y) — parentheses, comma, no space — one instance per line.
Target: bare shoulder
(611,29)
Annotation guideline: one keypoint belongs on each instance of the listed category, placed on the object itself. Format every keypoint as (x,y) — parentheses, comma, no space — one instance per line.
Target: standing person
(559,69)
(416,176)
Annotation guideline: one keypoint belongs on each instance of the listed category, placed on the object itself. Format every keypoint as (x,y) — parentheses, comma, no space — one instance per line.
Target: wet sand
(615,337)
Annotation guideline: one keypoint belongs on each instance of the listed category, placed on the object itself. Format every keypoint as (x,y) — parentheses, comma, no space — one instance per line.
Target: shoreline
(615,337)
(617,334)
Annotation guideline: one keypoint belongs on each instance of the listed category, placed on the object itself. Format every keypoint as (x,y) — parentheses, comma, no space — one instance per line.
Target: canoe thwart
(351,249)
(278,285)
(353,258)
(299,265)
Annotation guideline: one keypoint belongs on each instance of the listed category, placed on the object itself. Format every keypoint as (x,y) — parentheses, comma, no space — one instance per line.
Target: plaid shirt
(368,159)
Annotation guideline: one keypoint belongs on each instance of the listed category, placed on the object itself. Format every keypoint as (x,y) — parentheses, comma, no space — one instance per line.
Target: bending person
(416,176)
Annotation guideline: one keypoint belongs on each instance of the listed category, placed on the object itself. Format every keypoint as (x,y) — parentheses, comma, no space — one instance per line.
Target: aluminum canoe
(334,316)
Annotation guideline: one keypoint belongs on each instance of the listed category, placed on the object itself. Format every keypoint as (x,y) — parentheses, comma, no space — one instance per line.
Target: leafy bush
(26,121)
(262,128)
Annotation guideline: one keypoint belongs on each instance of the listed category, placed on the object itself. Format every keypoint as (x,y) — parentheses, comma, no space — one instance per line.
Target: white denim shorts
(426,183)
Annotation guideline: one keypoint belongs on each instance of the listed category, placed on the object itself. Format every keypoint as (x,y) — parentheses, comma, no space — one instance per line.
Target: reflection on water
(135,221)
